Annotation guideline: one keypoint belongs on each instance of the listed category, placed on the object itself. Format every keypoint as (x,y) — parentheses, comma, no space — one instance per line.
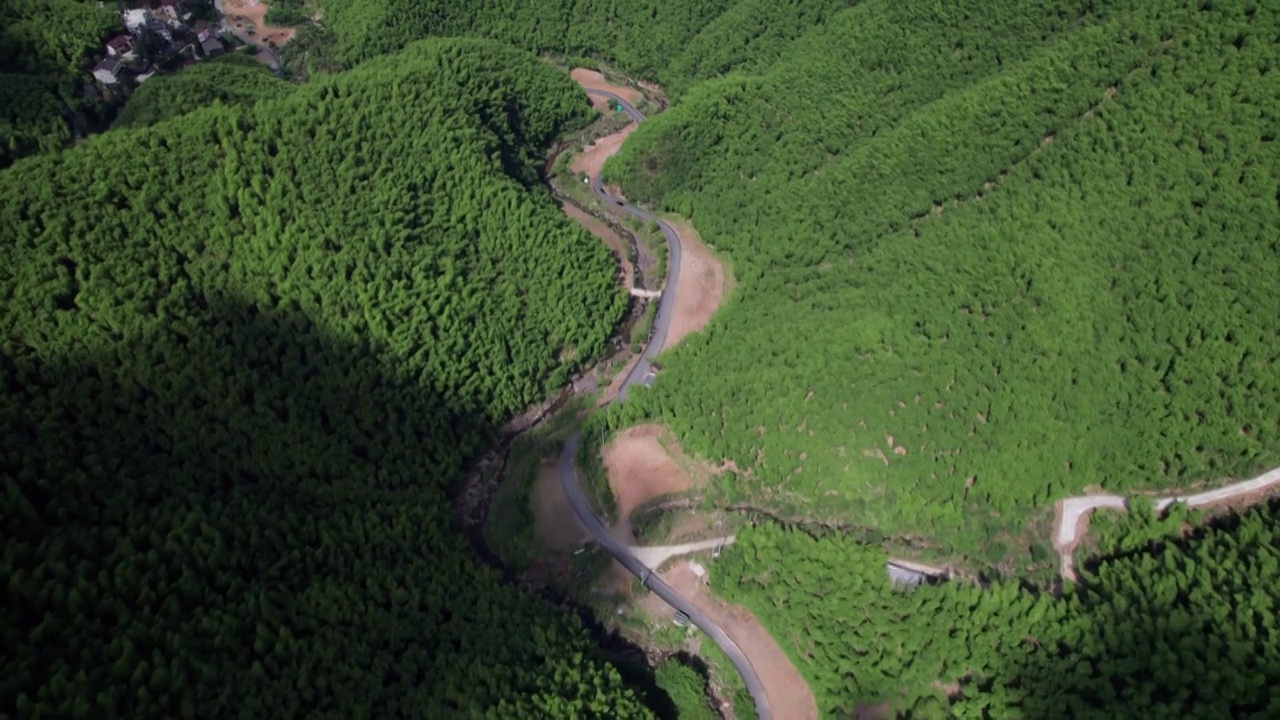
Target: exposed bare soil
(611,239)
(640,469)
(556,527)
(593,80)
(789,695)
(593,156)
(701,287)
(246,14)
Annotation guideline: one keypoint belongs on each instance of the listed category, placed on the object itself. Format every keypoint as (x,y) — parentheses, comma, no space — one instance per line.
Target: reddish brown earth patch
(789,695)
(593,80)
(254,12)
(640,469)
(594,155)
(701,287)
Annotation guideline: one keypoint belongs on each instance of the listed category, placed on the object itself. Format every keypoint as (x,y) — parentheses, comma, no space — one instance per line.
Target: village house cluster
(163,33)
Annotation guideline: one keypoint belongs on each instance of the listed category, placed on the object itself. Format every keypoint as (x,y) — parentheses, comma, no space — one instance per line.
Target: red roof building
(119,45)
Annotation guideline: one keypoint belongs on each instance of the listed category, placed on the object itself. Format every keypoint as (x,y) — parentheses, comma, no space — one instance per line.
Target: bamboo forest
(1169,630)
(238,389)
(269,310)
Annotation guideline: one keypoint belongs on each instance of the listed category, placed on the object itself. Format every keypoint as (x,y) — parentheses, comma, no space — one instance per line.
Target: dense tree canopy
(675,43)
(43,49)
(230,79)
(988,255)
(1170,630)
(952,307)
(245,354)
(1015,253)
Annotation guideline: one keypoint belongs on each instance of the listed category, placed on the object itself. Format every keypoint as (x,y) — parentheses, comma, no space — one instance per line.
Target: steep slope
(44,45)
(246,351)
(1015,253)
(1171,629)
(230,79)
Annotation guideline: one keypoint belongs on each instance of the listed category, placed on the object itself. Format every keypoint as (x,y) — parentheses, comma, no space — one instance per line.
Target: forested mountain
(675,43)
(988,257)
(1185,629)
(953,308)
(43,45)
(245,354)
(230,79)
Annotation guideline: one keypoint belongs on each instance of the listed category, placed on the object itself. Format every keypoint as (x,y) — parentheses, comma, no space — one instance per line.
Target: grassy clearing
(651,245)
(592,473)
(510,528)
(644,327)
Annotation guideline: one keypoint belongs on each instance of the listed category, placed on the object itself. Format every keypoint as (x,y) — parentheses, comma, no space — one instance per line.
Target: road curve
(641,373)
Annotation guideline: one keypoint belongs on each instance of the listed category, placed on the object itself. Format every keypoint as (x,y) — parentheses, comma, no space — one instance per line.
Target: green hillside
(230,79)
(987,255)
(45,48)
(246,352)
(952,306)
(1183,629)
(986,259)
(673,43)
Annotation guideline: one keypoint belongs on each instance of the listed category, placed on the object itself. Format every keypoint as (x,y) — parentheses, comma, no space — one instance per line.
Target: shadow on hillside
(1163,648)
(230,513)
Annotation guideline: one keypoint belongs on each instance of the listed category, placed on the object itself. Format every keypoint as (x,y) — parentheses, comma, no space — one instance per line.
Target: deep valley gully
(777,692)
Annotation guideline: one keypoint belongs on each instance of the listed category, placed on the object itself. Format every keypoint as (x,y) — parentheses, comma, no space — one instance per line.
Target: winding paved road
(642,374)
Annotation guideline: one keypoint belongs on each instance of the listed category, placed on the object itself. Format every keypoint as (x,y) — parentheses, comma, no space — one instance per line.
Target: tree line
(1175,628)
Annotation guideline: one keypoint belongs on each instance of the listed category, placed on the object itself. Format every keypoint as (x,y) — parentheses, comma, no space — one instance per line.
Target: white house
(136,19)
(107,71)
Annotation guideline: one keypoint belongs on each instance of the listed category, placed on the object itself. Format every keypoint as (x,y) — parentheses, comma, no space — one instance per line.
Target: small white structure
(107,71)
(136,19)
(697,568)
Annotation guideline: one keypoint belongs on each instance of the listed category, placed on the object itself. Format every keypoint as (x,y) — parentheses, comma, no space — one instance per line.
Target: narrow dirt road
(788,693)
(1071,516)
(653,556)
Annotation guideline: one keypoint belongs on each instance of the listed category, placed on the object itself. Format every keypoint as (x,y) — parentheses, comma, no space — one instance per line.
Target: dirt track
(1071,516)
(789,694)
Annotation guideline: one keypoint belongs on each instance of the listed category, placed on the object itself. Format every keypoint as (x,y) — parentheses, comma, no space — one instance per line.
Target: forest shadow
(249,506)
(1151,644)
